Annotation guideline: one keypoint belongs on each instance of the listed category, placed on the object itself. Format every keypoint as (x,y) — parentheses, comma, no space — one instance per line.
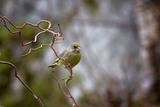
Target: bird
(72,54)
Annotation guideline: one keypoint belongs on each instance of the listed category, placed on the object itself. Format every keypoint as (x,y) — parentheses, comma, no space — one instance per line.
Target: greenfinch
(73,55)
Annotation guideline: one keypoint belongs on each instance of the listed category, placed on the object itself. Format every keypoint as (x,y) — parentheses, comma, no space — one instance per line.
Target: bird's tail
(53,65)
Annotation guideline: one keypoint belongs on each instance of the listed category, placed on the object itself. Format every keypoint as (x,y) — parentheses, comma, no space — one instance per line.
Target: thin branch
(59,84)
(69,95)
(67,80)
(25,85)
(34,49)
(48,29)
(67,86)
(56,38)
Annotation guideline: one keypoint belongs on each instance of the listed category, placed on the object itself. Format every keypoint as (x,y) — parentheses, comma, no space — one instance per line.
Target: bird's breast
(74,59)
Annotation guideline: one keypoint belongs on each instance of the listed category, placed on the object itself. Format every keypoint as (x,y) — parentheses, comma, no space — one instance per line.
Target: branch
(67,87)
(56,38)
(66,80)
(25,85)
(48,29)
(69,95)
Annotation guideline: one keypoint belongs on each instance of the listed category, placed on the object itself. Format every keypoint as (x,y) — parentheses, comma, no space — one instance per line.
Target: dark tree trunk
(148,17)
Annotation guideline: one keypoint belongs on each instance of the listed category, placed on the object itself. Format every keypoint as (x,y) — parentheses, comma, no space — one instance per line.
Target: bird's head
(75,47)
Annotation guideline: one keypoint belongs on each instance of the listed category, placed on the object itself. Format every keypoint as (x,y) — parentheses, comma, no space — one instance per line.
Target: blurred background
(119,40)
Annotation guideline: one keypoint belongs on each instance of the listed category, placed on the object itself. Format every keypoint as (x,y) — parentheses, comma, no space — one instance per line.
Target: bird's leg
(68,65)
(66,59)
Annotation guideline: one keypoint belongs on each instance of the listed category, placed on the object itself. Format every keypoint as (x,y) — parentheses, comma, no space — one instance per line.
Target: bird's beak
(78,49)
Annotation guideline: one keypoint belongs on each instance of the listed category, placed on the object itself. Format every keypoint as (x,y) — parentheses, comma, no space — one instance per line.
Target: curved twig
(64,93)
(25,85)
(69,95)
(56,38)
(43,30)
(67,87)
(67,80)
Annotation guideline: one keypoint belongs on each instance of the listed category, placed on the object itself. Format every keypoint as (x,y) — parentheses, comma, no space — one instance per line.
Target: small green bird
(73,55)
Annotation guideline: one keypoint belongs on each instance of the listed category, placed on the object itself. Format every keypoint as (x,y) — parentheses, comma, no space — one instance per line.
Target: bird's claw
(67,65)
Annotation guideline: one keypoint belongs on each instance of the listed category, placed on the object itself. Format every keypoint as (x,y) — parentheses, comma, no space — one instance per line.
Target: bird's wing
(61,55)
(57,60)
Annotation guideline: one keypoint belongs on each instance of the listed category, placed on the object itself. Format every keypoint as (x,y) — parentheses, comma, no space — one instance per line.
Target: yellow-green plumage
(73,55)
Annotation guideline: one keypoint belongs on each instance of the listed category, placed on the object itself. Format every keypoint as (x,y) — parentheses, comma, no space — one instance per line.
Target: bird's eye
(75,46)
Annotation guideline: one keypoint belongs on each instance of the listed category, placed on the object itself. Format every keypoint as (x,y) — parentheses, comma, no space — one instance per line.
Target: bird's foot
(67,65)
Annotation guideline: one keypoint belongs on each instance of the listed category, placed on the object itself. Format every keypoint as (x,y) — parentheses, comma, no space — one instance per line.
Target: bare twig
(69,95)
(67,87)
(48,29)
(56,38)
(33,49)
(59,84)
(25,85)
(67,80)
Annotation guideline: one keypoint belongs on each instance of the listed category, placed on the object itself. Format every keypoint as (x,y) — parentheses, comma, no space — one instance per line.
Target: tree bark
(148,18)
